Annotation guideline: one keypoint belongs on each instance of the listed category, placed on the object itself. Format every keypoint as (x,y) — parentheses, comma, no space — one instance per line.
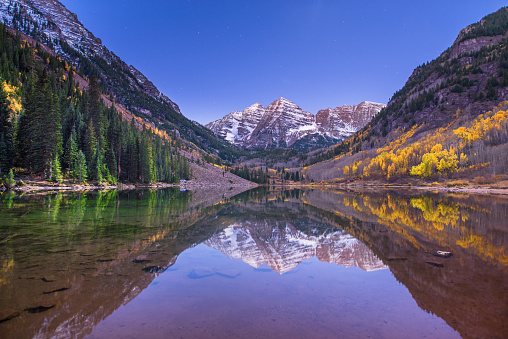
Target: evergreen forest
(52,129)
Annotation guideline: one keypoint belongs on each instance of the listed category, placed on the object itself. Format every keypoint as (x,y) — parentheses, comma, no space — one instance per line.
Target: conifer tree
(56,169)
(71,153)
(95,112)
(80,168)
(45,126)
(23,142)
(90,143)
(6,141)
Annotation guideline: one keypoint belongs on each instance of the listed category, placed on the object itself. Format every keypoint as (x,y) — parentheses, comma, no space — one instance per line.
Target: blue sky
(214,57)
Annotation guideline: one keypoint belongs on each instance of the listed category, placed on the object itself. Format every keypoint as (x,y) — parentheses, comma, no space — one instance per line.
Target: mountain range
(433,127)
(282,123)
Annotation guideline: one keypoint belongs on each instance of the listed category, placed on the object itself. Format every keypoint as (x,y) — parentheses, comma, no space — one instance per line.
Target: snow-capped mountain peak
(283,122)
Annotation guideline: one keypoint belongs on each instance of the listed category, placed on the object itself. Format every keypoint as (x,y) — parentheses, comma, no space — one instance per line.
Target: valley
(447,124)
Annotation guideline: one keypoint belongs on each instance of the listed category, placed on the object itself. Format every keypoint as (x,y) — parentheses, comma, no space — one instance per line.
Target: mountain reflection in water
(282,247)
(69,262)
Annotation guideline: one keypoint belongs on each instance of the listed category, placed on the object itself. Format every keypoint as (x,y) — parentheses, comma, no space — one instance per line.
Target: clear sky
(214,57)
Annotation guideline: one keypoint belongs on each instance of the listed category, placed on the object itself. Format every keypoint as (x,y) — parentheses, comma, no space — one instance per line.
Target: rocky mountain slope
(50,23)
(57,23)
(283,123)
(440,99)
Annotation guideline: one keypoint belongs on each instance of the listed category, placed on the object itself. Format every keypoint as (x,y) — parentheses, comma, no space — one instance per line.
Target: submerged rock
(154,269)
(435,264)
(201,272)
(443,254)
(57,290)
(39,309)
(8,314)
(48,278)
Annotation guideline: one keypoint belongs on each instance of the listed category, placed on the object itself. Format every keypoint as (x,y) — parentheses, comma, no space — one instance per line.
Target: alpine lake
(266,262)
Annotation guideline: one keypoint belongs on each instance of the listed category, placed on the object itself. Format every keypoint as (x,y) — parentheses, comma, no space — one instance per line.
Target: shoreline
(77,188)
(461,189)
(189,185)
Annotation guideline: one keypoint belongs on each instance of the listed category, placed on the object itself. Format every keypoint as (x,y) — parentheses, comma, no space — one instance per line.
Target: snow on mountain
(341,122)
(237,127)
(283,123)
(282,247)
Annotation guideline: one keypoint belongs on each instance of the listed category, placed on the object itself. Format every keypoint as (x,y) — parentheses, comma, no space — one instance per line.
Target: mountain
(343,121)
(448,121)
(283,123)
(57,23)
(60,32)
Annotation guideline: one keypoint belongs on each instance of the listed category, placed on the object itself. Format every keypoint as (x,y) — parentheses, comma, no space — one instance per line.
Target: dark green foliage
(79,167)
(313,141)
(254,175)
(6,140)
(98,144)
(491,94)
(457,89)
(493,24)
(8,180)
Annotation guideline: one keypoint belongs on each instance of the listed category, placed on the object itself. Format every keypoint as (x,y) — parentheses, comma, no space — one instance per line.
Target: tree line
(50,128)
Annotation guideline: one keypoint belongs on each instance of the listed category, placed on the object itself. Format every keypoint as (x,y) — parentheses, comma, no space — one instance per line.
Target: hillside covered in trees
(51,128)
(448,121)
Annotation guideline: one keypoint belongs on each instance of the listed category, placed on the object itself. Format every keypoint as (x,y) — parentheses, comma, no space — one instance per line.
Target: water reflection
(408,230)
(68,262)
(282,242)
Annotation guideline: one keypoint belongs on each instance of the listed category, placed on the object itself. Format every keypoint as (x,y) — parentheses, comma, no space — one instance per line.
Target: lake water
(267,262)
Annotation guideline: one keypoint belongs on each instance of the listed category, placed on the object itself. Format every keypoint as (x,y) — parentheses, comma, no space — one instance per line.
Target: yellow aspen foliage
(13,97)
(444,161)
(346,171)
(484,127)
(355,167)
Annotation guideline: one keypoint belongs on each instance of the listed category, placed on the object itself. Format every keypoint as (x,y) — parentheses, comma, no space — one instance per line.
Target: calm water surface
(259,263)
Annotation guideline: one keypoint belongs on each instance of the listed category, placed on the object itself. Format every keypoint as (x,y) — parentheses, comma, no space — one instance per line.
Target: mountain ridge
(283,122)
(63,24)
(431,127)
(50,23)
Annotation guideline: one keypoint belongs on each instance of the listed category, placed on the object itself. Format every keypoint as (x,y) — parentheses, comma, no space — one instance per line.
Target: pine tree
(96,170)
(56,170)
(95,112)
(45,126)
(6,140)
(71,153)
(80,168)
(23,142)
(53,127)
(90,143)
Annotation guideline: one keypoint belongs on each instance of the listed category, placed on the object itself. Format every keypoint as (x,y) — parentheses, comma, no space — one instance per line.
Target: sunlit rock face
(237,127)
(341,122)
(282,247)
(283,123)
